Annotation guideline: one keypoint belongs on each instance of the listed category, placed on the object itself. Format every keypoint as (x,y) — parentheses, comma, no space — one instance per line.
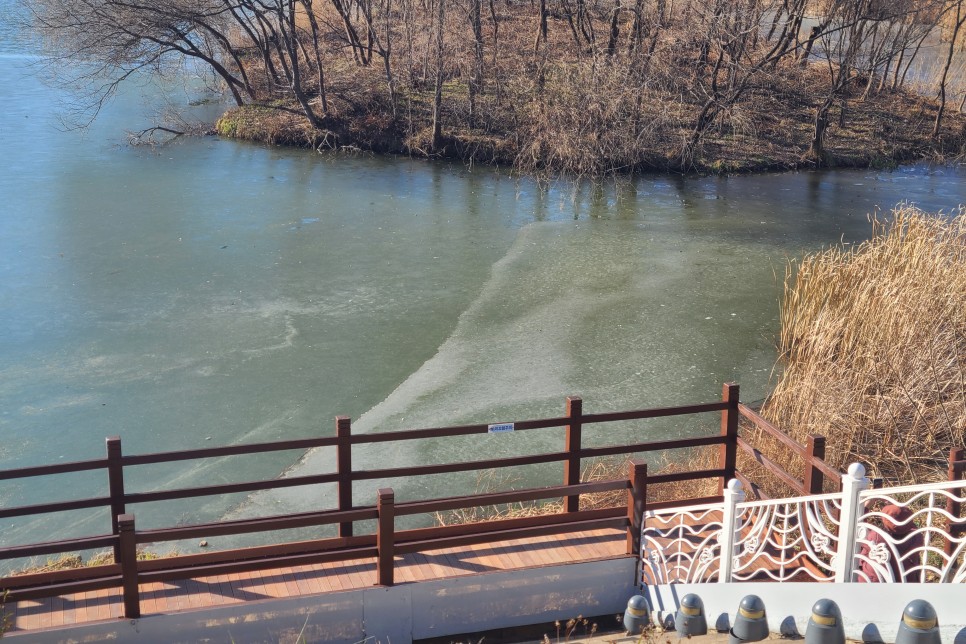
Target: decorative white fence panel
(852,536)
(787,540)
(680,546)
(918,547)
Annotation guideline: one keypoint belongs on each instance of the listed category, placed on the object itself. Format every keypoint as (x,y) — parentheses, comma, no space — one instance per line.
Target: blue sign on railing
(499,428)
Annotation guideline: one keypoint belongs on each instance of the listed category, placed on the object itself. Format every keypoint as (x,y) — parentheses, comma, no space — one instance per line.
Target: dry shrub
(591,118)
(873,344)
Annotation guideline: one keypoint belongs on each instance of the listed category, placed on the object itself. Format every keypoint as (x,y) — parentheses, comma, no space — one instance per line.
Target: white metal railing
(843,537)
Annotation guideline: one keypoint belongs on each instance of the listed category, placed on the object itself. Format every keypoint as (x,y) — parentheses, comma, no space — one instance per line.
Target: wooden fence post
(385,536)
(814,480)
(957,466)
(129,566)
(729,430)
(115,482)
(636,504)
(343,432)
(574,410)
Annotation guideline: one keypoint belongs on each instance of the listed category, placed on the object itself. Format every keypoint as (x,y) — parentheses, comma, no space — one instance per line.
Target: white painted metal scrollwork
(799,539)
(787,539)
(681,545)
(907,535)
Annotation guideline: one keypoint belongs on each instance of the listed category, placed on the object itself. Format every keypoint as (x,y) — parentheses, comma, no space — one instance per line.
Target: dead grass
(71,561)
(873,348)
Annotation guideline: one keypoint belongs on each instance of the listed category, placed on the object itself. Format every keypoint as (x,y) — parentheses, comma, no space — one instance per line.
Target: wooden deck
(158,598)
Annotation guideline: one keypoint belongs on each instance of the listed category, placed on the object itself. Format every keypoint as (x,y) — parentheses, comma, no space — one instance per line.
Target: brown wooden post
(385,536)
(636,504)
(957,455)
(814,480)
(129,566)
(343,432)
(729,430)
(574,410)
(115,482)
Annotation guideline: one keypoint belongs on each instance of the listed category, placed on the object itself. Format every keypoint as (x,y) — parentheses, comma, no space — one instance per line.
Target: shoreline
(883,133)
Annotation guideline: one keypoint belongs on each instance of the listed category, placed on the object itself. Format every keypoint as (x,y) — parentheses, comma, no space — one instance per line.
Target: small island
(570,86)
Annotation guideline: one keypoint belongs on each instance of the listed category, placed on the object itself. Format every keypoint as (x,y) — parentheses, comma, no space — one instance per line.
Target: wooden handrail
(248,526)
(458,430)
(771,466)
(653,446)
(47,470)
(53,547)
(659,412)
(63,588)
(674,477)
(231,450)
(30,580)
(229,488)
(751,485)
(258,553)
(827,469)
(815,466)
(227,568)
(510,534)
(498,498)
(494,525)
(60,506)
(116,463)
(464,466)
(684,503)
(771,430)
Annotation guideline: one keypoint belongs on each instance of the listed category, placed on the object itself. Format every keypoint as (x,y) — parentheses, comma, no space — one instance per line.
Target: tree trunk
(542,27)
(438,96)
(614,28)
(937,125)
(816,150)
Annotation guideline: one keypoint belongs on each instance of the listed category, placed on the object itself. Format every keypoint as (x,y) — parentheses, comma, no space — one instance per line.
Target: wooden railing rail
(228,488)
(815,469)
(54,547)
(248,526)
(60,506)
(231,450)
(500,498)
(47,470)
(774,468)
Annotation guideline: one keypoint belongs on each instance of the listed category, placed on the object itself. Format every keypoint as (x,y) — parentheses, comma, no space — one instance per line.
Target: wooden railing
(385,541)
(814,470)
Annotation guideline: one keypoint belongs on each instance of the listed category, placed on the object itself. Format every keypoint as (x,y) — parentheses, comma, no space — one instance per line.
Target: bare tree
(116,38)
(957,16)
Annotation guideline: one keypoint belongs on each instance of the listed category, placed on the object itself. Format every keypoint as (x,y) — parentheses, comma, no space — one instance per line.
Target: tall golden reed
(873,347)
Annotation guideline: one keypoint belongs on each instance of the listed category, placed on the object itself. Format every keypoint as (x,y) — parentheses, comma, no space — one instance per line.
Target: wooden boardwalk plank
(173,596)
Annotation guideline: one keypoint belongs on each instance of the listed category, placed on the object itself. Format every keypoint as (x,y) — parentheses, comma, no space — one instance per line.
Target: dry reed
(873,344)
